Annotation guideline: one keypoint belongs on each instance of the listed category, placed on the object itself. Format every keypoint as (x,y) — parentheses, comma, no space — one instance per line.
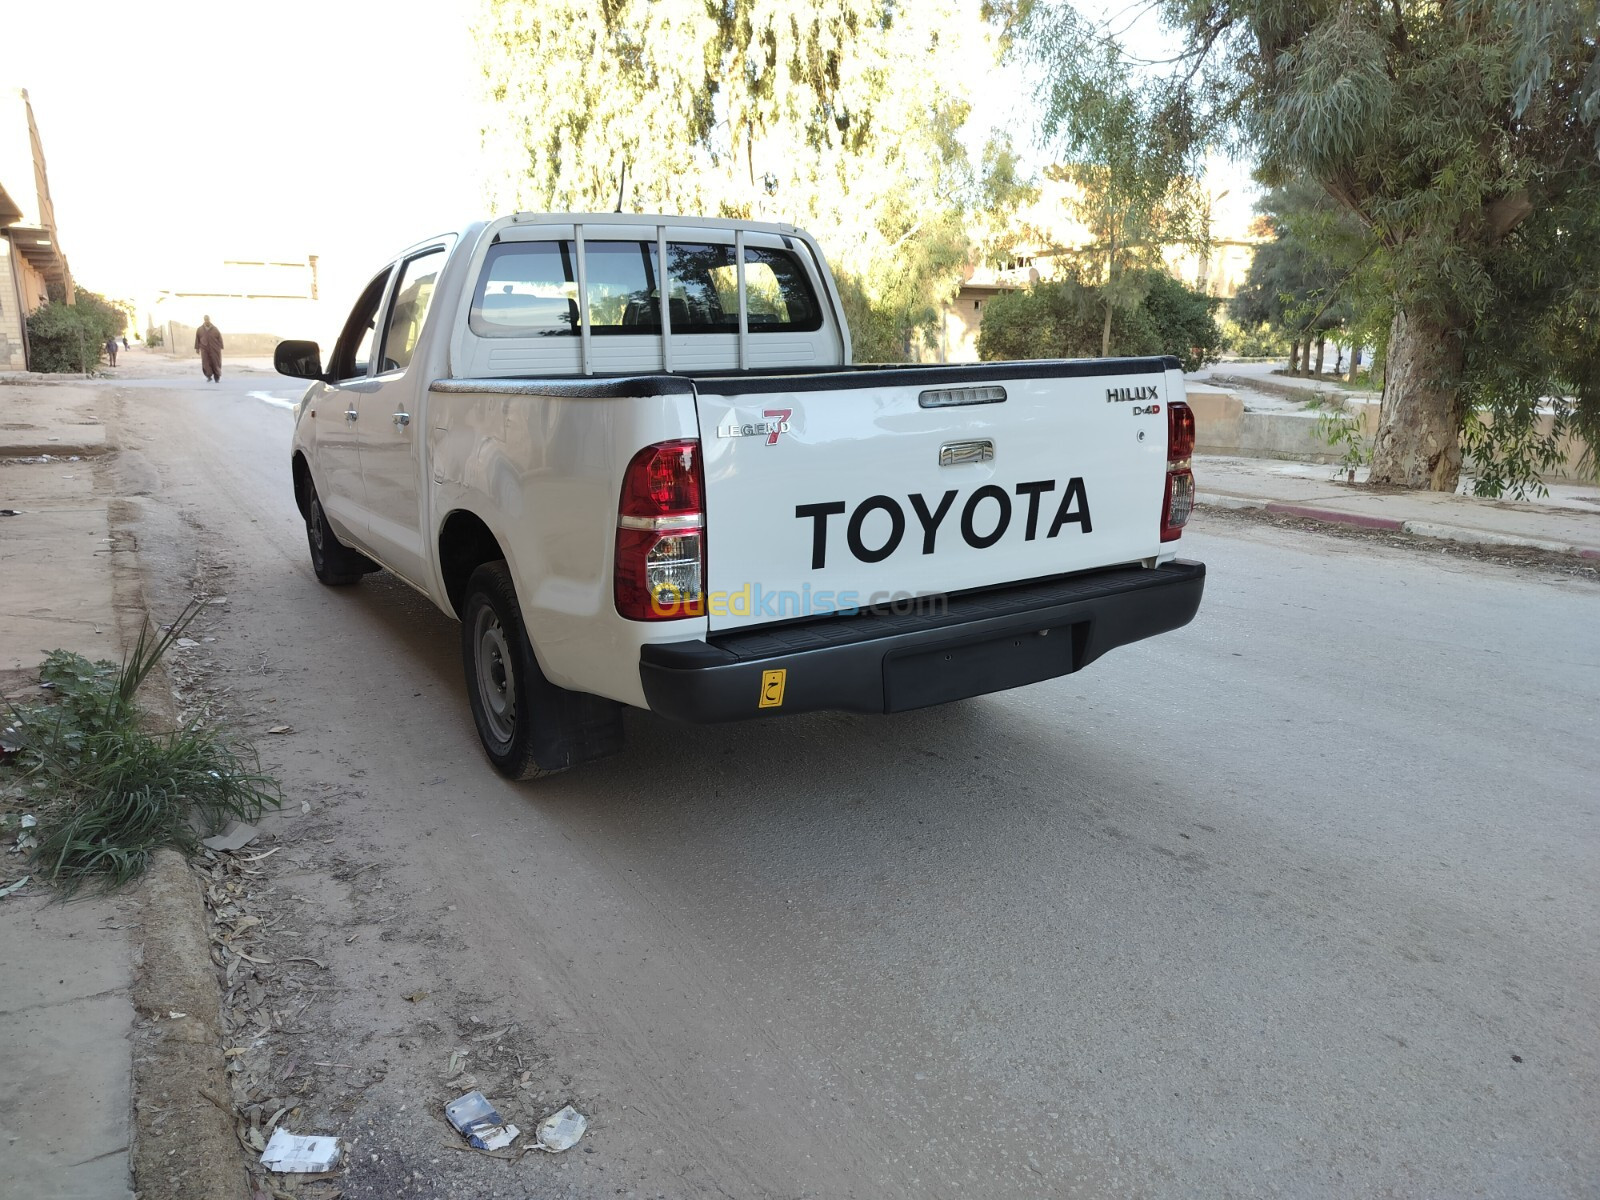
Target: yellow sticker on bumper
(772,689)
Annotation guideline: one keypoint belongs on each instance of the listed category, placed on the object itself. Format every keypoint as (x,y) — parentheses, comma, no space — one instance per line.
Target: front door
(337,412)
(391,432)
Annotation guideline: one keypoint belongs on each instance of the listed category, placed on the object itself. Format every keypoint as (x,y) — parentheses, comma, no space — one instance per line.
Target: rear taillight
(1178,503)
(661,548)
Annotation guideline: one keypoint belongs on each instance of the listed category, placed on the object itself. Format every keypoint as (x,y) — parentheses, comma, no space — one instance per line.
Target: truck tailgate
(828,492)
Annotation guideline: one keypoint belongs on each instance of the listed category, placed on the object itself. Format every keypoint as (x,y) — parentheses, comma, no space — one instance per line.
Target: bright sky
(182,134)
(185,133)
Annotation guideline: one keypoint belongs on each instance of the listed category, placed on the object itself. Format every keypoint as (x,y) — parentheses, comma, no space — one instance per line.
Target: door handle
(402,419)
(955,453)
(349,414)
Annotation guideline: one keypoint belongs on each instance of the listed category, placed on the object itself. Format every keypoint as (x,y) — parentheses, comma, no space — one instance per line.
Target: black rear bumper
(949,649)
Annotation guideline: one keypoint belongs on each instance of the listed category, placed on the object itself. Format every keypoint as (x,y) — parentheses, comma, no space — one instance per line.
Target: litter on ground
(478,1121)
(235,836)
(288,1152)
(561,1131)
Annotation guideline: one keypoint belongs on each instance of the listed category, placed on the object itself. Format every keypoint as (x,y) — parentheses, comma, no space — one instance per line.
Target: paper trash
(288,1152)
(561,1131)
(236,836)
(484,1128)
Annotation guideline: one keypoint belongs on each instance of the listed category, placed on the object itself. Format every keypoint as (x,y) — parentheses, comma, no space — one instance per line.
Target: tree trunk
(1419,423)
(1322,346)
(1294,358)
(1111,279)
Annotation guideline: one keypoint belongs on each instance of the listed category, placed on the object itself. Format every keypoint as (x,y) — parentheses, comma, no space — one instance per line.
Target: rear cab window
(530,289)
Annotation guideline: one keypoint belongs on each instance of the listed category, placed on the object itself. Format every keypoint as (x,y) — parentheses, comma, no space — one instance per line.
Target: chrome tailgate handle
(955,453)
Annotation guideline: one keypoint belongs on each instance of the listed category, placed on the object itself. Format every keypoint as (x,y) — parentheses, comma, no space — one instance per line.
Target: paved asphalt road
(1298,901)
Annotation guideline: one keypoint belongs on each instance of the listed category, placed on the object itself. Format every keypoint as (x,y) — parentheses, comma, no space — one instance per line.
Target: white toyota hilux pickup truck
(632,456)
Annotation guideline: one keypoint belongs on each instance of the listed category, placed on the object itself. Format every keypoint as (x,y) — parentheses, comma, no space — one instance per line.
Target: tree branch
(1401,40)
(1306,327)
(1506,213)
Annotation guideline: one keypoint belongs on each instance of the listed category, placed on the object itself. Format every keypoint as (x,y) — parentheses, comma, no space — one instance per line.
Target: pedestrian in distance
(111,350)
(208,341)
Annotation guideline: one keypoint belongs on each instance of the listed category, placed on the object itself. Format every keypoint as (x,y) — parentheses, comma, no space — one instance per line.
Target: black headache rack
(891,661)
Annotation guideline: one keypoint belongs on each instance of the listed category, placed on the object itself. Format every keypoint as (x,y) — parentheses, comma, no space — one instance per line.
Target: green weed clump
(110,793)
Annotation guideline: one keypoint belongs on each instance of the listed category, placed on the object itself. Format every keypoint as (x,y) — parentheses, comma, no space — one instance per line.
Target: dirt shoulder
(1523,558)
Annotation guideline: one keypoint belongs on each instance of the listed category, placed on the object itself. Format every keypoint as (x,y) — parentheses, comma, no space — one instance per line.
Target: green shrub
(60,340)
(1048,320)
(1260,341)
(1066,319)
(69,337)
(109,792)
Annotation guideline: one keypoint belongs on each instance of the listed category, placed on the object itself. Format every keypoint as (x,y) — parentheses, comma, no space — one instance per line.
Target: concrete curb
(1477,537)
(1425,529)
(1336,517)
(184,1145)
(53,450)
(1291,388)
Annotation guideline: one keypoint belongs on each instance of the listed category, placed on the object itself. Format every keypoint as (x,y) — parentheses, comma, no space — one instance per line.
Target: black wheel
(335,563)
(504,683)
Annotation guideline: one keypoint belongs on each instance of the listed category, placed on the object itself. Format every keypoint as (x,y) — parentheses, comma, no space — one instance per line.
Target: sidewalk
(133,1014)
(66,971)
(1567,521)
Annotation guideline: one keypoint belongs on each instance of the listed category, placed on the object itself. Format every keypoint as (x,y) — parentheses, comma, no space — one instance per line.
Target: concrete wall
(250,326)
(179,342)
(12,356)
(1223,427)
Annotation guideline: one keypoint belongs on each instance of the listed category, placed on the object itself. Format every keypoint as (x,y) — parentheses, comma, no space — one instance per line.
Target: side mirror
(302,360)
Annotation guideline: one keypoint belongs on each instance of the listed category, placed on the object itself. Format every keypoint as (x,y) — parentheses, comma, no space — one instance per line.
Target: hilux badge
(1113,395)
(777,422)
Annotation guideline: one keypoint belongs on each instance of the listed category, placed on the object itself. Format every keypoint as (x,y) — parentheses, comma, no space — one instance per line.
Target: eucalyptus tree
(1306,281)
(1125,163)
(1465,137)
(844,118)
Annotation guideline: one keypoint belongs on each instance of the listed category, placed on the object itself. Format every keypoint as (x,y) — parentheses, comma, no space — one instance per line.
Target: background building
(32,265)
(256,301)
(1058,241)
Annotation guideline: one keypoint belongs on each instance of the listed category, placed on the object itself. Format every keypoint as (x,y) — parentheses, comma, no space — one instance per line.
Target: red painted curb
(1337,518)
(1589,553)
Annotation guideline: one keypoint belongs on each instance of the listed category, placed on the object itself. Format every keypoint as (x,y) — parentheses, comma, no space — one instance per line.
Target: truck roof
(624,218)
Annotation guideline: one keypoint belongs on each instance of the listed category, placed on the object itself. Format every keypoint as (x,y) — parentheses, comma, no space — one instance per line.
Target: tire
(507,690)
(334,563)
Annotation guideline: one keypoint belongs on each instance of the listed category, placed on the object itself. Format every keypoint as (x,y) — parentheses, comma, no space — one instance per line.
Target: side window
(528,289)
(410,308)
(353,352)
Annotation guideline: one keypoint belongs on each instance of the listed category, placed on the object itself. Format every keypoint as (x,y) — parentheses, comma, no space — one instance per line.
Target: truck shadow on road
(967,778)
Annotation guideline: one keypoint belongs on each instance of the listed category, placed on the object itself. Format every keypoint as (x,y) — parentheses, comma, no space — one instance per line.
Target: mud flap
(572,727)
